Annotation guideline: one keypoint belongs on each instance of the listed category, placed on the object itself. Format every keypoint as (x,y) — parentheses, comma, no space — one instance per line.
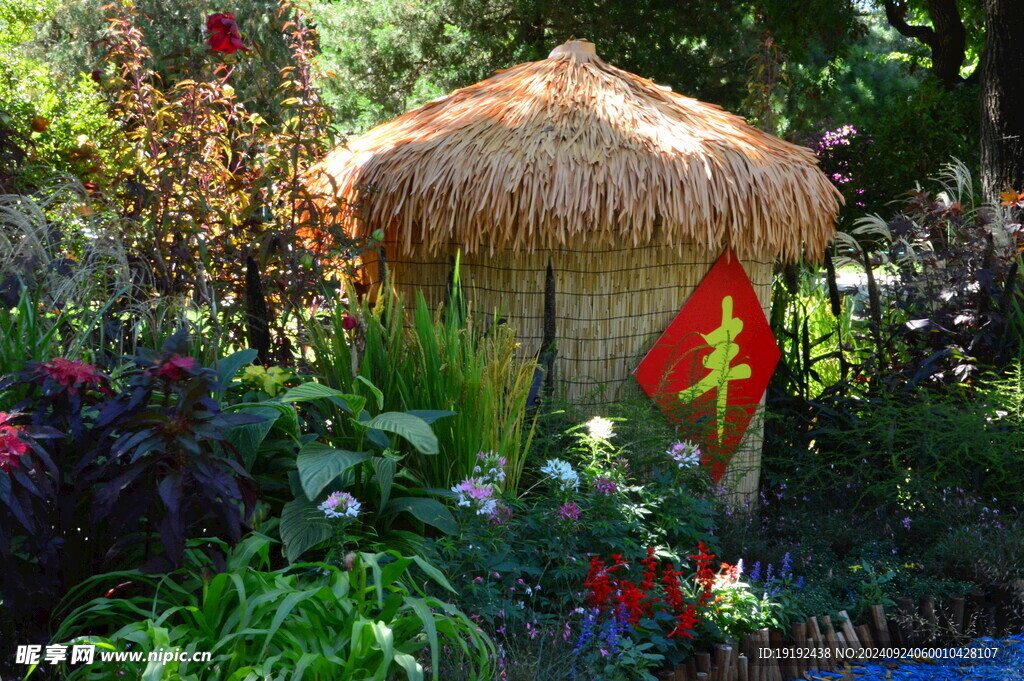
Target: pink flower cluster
(604,485)
(476,494)
(341,505)
(480,493)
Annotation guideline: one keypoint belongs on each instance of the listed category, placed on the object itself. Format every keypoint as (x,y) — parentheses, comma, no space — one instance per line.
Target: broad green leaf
(374,389)
(414,429)
(248,437)
(304,661)
(284,610)
(429,511)
(413,669)
(310,391)
(303,526)
(227,367)
(429,626)
(319,464)
(378,438)
(385,469)
(431,415)
(433,573)
(353,404)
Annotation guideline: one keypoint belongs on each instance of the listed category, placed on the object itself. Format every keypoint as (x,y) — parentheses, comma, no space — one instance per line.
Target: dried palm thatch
(571,146)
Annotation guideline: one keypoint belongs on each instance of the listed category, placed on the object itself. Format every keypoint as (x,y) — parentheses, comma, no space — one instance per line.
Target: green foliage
(362,459)
(176,37)
(435,364)
(312,621)
(387,56)
(58,120)
(521,566)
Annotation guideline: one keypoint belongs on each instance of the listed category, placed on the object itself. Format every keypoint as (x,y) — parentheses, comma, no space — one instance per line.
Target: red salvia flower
(705,575)
(673,592)
(687,621)
(630,599)
(599,583)
(650,571)
(222,33)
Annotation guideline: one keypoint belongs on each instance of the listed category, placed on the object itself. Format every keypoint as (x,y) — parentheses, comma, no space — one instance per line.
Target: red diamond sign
(713,363)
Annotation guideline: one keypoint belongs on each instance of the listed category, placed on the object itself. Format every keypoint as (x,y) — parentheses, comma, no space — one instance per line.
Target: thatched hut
(587,203)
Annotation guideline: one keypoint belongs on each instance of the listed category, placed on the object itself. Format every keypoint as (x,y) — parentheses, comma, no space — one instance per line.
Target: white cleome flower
(562,473)
(600,428)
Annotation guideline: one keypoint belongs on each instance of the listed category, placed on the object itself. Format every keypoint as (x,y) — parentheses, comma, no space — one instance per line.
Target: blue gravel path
(1006,663)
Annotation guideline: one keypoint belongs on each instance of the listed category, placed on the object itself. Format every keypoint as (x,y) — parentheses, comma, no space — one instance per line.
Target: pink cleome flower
(604,485)
(569,511)
(476,494)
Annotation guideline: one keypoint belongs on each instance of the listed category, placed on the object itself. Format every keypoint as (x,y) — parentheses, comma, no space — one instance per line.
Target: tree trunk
(1002,99)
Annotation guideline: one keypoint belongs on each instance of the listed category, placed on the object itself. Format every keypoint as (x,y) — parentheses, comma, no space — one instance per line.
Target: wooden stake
(907,625)
(846,626)
(956,612)
(799,632)
(703,662)
(880,629)
(926,608)
(864,634)
(722,655)
(831,640)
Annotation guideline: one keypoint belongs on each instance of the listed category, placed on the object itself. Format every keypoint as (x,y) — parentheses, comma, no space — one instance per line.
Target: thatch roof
(547,153)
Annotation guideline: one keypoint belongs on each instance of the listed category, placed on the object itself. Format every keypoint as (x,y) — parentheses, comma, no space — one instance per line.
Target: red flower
(222,33)
(349,323)
(687,621)
(71,374)
(650,571)
(629,598)
(705,575)
(11,446)
(175,368)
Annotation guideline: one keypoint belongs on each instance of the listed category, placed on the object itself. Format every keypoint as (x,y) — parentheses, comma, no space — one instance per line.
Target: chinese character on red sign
(710,368)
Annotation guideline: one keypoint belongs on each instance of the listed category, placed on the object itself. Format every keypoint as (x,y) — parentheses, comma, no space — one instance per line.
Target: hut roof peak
(571,150)
(581,50)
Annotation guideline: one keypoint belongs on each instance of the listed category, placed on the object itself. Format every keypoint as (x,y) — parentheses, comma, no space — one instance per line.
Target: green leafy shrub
(435,361)
(368,620)
(356,460)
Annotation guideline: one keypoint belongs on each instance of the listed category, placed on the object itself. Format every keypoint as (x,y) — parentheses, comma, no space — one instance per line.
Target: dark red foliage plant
(97,474)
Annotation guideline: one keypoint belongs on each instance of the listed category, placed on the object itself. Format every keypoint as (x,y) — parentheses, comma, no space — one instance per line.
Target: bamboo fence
(837,645)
